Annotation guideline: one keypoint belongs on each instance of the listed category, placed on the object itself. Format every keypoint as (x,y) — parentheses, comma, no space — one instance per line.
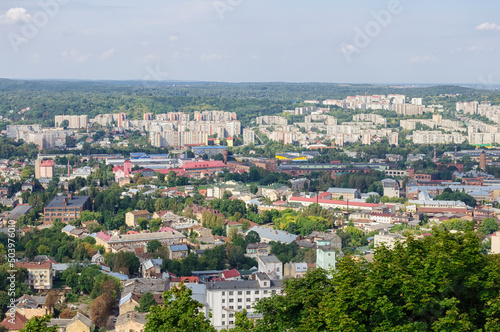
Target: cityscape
(248,188)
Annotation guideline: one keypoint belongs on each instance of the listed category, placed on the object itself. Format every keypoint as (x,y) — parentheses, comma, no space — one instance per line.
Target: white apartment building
(226,298)
(437,137)
(75,121)
(248,136)
(373,118)
(387,239)
(268,120)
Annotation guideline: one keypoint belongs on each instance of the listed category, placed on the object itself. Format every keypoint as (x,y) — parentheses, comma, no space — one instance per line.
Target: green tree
(145,303)
(488,226)
(152,246)
(179,313)
(39,324)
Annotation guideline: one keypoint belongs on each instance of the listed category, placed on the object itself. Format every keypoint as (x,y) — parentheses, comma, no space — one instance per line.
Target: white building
(271,266)
(226,298)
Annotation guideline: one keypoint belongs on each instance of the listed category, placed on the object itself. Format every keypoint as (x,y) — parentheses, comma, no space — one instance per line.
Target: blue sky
(252,40)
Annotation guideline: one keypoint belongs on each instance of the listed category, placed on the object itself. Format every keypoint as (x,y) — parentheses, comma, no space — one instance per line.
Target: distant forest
(249,100)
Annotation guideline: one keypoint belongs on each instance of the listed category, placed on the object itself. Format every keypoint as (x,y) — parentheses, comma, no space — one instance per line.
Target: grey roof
(65,322)
(238,284)
(342,190)
(141,237)
(119,276)
(273,235)
(77,201)
(131,316)
(17,212)
(269,259)
(61,267)
(199,292)
(180,247)
(68,228)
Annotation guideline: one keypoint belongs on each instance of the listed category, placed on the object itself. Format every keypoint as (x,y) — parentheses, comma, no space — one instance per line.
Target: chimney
(65,201)
(70,196)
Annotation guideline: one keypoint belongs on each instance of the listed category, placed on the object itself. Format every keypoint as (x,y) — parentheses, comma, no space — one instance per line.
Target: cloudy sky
(390,41)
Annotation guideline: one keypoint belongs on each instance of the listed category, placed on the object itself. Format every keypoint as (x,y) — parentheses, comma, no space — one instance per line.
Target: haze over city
(237,41)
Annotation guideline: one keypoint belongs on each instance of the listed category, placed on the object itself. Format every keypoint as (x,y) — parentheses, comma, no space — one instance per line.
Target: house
(151,267)
(178,251)
(322,239)
(134,288)
(30,306)
(344,193)
(66,208)
(79,323)
(131,321)
(13,322)
(326,257)
(258,249)
(97,258)
(39,274)
(111,243)
(267,235)
(495,243)
(225,298)
(387,239)
(294,270)
(76,232)
(131,218)
(233,225)
(391,188)
(271,266)
(231,275)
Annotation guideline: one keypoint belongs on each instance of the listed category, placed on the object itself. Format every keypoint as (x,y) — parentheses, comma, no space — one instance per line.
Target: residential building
(230,275)
(79,323)
(271,266)
(178,251)
(248,136)
(132,217)
(391,188)
(66,208)
(255,250)
(226,298)
(131,321)
(44,168)
(74,121)
(344,193)
(268,234)
(110,242)
(39,274)
(13,324)
(495,243)
(30,306)
(294,270)
(389,240)
(326,257)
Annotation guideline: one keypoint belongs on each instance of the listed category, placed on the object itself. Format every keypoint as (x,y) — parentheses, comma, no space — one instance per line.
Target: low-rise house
(387,239)
(76,232)
(231,275)
(267,235)
(14,323)
(79,323)
(178,251)
(271,266)
(294,270)
(39,274)
(344,193)
(151,267)
(326,257)
(30,306)
(131,218)
(233,225)
(110,242)
(258,249)
(131,321)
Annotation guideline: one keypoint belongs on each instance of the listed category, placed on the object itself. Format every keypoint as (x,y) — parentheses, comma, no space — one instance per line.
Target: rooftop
(76,201)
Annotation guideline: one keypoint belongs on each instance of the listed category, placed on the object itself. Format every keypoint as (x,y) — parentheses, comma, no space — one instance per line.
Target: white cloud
(348,48)
(75,56)
(423,59)
(488,26)
(15,16)
(174,38)
(106,55)
(211,56)
(151,58)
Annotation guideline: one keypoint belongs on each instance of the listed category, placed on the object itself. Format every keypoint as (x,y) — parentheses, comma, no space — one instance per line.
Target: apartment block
(75,121)
(39,274)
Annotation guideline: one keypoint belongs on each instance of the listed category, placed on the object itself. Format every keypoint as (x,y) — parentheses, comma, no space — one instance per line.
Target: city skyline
(241,41)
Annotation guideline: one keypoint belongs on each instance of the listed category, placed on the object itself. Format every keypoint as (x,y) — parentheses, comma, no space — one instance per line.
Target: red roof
(325,194)
(203,164)
(103,236)
(189,279)
(117,168)
(229,138)
(34,265)
(178,171)
(203,192)
(167,229)
(14,324)
(47,163)
(230,274)
(331,201)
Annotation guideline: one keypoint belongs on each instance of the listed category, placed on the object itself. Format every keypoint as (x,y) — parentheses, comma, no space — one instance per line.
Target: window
(248,292)
(274,291)
(223,322)
(231,307)
(230,322)
(256,299)
(249,306)
(231,293)
(240,292)
(223,300)
(239,307)
(231,300)
(231,315)
(265,292)
(265,283)
(223,293)
(240,299)
(248,300)
(256,292)
(223,315)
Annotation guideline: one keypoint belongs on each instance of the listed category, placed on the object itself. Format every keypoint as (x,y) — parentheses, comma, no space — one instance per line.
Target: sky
(386,42)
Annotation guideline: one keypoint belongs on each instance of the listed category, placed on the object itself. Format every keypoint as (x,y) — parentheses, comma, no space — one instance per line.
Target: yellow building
(79,323)
(131,321)
(39,274)
(131,218)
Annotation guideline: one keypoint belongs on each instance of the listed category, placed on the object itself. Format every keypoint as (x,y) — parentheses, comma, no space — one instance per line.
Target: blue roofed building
(178,251)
